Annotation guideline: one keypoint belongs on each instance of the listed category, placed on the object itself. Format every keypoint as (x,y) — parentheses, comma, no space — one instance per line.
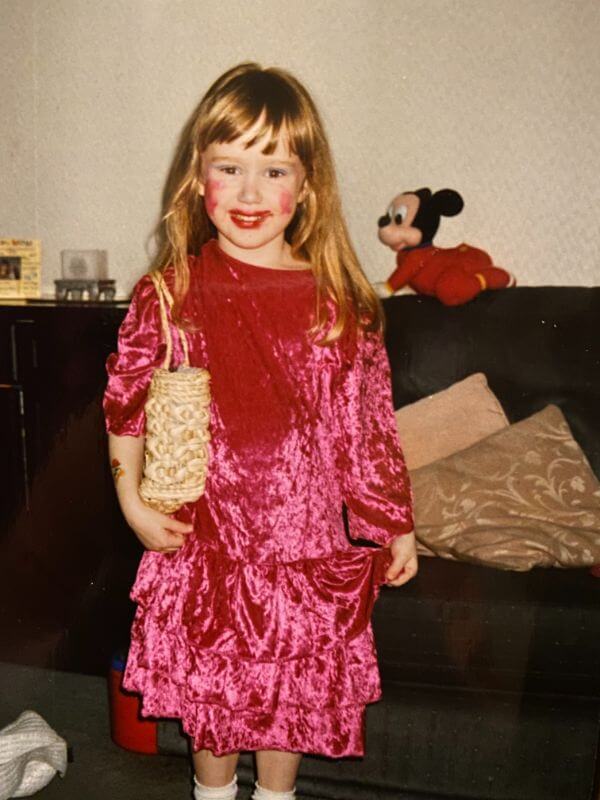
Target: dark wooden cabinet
(13,451)
(67,557)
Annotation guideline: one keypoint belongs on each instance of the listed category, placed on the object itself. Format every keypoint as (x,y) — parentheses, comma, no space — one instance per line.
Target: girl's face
(251,197)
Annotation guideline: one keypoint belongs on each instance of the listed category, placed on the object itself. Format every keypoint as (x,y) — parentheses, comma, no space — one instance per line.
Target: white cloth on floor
(31,754)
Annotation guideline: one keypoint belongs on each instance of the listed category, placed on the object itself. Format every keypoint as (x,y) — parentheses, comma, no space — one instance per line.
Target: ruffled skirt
(253,656)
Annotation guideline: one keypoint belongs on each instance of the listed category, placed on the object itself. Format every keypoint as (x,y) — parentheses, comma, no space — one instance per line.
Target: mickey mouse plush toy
(454,275)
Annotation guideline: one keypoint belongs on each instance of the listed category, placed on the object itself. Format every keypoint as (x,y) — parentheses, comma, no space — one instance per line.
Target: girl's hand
(156,531)
(404,565)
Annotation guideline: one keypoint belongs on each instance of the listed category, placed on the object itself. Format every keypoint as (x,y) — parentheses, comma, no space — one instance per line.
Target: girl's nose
(249,190)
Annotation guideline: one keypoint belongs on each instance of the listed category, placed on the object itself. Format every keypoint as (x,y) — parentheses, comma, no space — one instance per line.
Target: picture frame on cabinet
(20,268)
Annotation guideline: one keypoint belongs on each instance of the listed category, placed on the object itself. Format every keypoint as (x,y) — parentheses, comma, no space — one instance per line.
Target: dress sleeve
(376,486)
(140,351)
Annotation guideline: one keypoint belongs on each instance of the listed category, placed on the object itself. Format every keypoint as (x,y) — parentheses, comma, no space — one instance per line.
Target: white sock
(260,793)
(202,792)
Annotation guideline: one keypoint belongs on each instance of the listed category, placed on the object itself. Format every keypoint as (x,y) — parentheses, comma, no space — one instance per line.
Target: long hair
(317,233)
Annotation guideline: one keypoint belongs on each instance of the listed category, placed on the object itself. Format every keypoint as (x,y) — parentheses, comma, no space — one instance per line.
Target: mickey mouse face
(396,228)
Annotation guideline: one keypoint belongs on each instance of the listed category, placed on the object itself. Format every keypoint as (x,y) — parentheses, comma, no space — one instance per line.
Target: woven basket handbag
(177,410)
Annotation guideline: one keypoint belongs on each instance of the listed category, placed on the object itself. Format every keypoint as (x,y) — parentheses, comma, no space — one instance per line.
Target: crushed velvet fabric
(256,633)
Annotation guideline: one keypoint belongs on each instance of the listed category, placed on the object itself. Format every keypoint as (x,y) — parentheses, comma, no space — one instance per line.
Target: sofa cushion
(448,421)
(523,497)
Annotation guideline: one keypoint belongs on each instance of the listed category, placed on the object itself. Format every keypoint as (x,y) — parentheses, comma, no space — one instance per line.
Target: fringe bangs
(261,95)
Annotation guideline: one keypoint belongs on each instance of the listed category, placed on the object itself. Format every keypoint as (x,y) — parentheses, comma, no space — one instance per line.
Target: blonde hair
(317,232)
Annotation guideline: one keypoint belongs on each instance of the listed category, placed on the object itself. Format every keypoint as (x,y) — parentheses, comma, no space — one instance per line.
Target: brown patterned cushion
(523,497)
(449,421)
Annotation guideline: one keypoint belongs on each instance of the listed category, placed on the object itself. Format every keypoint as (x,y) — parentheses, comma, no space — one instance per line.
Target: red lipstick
(248,219)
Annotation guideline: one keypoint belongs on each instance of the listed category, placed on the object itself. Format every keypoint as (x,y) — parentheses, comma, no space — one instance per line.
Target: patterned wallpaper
(497,99)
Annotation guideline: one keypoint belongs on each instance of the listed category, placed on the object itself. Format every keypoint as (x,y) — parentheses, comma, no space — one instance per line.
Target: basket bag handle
(165,299)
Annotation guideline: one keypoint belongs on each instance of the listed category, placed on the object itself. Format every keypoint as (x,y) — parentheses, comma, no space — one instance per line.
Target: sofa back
(536,345)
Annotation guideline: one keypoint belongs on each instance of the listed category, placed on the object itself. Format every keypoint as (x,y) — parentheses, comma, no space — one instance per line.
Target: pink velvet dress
(256,633)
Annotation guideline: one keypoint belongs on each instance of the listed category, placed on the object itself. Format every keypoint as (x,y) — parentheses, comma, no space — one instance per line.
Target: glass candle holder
(84,264)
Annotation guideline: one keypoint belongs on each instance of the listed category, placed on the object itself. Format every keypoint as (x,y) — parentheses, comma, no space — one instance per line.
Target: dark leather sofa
(491,678)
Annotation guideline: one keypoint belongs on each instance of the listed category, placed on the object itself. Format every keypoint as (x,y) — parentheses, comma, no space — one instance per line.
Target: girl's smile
(251,197)
(248,220)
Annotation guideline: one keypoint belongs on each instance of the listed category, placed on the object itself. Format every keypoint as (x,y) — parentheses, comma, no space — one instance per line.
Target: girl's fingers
(398,563)
(174,544)
(176,526)
(398,574)
(163,539)
(174,538)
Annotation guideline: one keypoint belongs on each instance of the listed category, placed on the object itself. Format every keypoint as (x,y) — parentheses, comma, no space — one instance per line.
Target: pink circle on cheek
(286,204)
(211,195)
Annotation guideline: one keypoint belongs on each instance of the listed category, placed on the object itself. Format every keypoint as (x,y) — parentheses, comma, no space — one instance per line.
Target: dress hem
(292,729)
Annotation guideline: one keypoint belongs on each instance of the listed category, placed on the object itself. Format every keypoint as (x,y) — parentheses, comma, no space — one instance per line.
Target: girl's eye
(228,170)
(276,173)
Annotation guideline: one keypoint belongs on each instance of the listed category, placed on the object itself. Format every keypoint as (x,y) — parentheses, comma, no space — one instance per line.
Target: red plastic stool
(127,728)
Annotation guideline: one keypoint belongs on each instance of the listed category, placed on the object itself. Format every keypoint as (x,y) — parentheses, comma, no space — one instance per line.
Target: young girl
(253,607)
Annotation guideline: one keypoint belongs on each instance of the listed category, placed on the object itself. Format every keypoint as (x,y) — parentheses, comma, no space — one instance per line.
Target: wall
(500,100)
